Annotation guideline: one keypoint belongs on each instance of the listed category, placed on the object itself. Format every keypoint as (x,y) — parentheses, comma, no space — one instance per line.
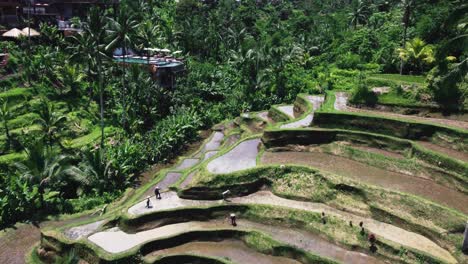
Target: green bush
(363,95)
(170,135)
(348,61)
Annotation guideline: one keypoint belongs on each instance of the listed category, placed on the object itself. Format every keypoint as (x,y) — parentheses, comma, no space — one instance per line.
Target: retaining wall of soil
(441,135)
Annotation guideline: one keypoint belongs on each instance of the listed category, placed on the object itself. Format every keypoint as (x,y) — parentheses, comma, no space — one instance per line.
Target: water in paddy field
(234,250)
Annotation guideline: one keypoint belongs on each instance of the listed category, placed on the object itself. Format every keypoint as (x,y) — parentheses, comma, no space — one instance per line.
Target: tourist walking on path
(148,202)
(157,192)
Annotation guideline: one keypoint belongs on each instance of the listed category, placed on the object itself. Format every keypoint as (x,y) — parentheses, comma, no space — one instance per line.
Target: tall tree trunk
(101,97)
(7,134)
(124,89)
(402,63)
(406,20)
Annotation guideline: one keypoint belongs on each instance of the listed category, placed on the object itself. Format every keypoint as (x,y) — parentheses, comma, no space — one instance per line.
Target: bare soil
(372,175)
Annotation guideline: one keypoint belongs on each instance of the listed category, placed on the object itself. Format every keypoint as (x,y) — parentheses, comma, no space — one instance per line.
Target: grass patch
(16,94)
(92,137)
(399,79)
(329,104)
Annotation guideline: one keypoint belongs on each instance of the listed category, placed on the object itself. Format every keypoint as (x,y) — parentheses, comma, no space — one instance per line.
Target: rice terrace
(229,131)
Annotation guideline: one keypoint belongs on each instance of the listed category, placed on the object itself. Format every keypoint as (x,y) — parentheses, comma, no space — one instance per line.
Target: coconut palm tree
(123,31)
(70,79)
(51,122)
(94,27)
(417,53)
(42,167)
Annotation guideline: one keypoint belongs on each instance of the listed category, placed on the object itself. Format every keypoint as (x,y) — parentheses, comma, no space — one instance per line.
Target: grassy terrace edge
(396,127)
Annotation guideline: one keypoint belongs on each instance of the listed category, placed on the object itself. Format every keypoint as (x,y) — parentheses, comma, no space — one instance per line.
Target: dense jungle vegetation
(77,129)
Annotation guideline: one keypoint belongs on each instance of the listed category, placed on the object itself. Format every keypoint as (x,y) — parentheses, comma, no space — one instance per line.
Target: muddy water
(372,175)
(389,232)
(316,101)
(187,163)
(233,250)
(117,241)
(170,179)
(287,109)
(210,154)
(213,144)
(241,157)
(304,122)
(188,180)
(460,155)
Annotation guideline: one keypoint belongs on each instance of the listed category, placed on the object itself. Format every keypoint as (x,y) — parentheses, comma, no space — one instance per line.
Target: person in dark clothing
(233,219)
(361,224)
(324,219)
(372,240)
(157,192)
(148,202)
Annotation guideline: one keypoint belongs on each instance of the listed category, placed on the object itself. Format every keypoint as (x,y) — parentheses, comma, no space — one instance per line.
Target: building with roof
(13,12)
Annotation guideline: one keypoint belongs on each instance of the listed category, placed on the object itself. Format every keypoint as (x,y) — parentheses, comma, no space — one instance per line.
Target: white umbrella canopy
(26,31)
(13,33)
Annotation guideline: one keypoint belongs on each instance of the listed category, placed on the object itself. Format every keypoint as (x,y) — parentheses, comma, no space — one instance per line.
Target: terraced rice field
(193,219)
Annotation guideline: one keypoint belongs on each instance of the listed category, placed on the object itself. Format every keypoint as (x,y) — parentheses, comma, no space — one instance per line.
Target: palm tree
(359,14)
(70,79)
(42,167)
(50,121)
(407,6)
(122,31)
(94,27)
(98,173)
(417,53)
(6,115)
(83,49)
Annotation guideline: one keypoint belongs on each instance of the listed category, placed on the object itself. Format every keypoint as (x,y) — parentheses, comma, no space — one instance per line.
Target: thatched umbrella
(30,32)
(13,33)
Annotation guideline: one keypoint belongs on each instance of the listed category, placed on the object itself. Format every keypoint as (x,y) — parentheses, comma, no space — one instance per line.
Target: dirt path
(231,249)
(241,157)
(372,175)
(341,102)
(387,231)
(15,243)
